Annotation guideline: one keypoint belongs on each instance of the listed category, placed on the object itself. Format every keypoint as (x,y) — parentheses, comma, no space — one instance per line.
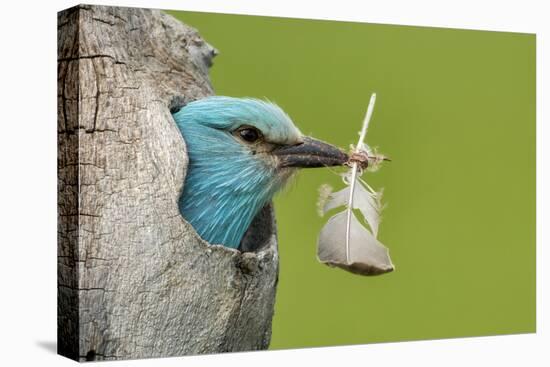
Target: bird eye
(249,134)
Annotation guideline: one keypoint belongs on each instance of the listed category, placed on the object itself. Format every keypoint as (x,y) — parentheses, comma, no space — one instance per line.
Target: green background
(456,113)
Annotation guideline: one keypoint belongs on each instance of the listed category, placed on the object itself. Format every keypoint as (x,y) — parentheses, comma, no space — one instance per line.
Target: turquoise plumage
(241,152)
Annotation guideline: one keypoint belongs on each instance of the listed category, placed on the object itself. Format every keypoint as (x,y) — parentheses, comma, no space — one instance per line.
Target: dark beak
(311,153)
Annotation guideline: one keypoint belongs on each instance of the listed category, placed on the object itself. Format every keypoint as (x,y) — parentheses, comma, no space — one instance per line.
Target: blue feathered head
(241,152)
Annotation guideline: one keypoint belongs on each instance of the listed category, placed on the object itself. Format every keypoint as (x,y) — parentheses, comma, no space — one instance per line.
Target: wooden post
(134,279)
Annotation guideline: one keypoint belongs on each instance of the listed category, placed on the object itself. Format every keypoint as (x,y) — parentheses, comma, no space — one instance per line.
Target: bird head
(241,152)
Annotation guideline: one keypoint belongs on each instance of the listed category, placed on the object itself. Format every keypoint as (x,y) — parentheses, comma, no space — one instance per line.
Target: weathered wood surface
(134,279)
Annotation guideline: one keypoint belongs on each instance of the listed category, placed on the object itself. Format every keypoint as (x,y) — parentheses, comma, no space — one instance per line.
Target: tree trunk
(134,278)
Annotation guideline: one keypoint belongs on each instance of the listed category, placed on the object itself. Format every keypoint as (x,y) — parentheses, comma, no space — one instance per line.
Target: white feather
(344,241)
(369,203)
(367,255)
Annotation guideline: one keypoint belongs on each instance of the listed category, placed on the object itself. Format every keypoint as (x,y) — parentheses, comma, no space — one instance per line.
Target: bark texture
(134,279)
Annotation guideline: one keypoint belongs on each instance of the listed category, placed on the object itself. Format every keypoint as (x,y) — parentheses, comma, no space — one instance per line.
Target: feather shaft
(360,143)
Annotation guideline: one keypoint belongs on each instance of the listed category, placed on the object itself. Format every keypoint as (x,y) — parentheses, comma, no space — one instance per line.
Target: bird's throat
(222,207)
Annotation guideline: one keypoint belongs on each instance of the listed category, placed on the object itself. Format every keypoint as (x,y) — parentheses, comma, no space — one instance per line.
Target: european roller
(241,152)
